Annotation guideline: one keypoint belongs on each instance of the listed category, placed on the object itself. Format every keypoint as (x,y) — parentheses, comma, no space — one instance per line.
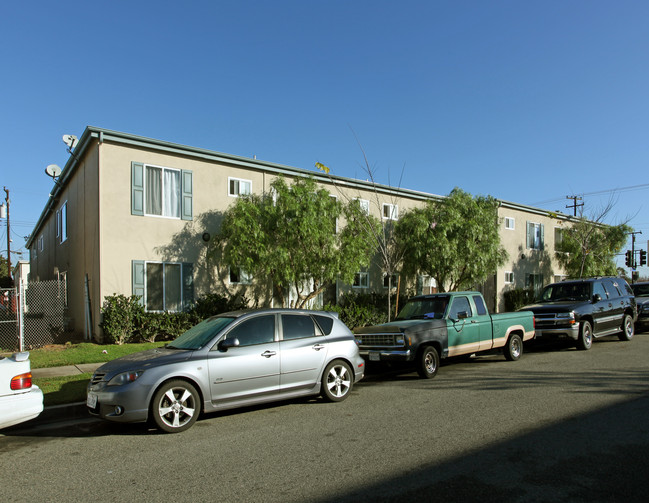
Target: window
(534,282)
(509,223)
(509,277)
(426,285)
(238,187)
(460,305)
(361,280)
(387,282)
(534,236)
(296,326)
(479,305)
(390,211)
(559,277)
(62,223)
(558,238)
(364,205)
(163,286)
(40,243)
(63,287)
(160,191)
(239,277)
(257,330)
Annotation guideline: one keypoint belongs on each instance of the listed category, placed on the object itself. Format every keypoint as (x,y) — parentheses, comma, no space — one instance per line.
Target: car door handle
(474,321)
(318,347)
(268,354)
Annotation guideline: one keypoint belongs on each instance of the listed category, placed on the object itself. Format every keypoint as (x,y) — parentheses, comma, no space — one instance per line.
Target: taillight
(22,381)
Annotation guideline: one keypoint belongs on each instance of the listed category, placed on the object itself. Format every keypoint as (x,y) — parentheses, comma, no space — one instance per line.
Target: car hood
(146,359)
(553,307)
(401,326)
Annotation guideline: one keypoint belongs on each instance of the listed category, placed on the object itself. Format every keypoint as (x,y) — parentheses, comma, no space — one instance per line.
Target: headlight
(569,317)
(399,339)
(125,378)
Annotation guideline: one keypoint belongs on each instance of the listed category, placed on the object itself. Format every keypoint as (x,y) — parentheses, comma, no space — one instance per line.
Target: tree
(290,237)
(588,247)
(455,240)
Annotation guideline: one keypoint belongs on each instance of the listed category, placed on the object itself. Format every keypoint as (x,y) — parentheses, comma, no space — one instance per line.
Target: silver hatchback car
(230,360)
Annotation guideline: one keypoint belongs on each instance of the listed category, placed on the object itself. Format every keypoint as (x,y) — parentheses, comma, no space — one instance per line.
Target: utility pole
(634,265)
(8,236)
(574,204)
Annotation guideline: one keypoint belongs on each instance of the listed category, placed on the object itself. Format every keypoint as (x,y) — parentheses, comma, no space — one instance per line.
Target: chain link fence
(33,315)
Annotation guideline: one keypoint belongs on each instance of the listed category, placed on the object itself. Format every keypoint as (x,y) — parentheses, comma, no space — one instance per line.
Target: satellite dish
(53,170)
(70,140)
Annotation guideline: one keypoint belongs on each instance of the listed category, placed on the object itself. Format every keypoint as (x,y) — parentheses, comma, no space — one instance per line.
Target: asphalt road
(558,425)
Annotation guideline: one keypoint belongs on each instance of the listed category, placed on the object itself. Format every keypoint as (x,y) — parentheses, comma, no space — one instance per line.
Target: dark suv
(586,308)
(641,291)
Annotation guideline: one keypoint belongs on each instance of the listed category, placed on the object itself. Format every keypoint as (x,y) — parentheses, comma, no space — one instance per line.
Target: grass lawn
(67,389)
(85,352)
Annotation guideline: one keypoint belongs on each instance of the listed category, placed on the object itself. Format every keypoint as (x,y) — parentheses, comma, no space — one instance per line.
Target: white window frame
(509,277)
(363,280)
(364,205)
(394,283)
(164,286)
(392,213)
(163,191)
(239,182)
(244,277)
(62,223)
(541,238)
(510,223)
(558,237)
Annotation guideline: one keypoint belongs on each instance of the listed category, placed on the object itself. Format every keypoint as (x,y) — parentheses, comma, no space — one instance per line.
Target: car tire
(337,381)
(175,406)
(628,329)
(514,348)
(428,363)
(585,339)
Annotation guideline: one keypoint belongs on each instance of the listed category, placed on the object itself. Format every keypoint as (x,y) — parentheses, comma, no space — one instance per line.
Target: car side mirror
(462,315)
(596,298)
(226,344)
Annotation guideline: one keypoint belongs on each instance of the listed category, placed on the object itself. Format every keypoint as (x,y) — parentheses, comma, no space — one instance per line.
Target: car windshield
(424,308)
(566,292)
(641,290)
(199,335)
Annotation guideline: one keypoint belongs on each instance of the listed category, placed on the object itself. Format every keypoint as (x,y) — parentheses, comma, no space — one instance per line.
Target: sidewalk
(68,370)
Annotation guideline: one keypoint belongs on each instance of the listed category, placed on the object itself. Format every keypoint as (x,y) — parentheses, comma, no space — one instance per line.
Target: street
(557,425)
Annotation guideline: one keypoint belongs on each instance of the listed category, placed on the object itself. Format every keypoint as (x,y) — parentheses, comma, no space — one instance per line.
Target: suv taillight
(22,381)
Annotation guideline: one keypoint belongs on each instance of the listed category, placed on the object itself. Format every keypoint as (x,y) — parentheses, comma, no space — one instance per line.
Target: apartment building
(134,215)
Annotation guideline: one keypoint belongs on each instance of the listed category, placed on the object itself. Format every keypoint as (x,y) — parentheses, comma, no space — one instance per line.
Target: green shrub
(162,326)
(212,304)
(517,298)
(119,317)
(363,309)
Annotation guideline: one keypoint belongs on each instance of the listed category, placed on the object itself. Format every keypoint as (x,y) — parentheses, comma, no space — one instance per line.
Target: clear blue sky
(525,101)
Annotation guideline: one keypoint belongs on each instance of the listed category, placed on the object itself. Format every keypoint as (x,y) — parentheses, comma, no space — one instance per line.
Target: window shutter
(187,209)
(138,279)
(542,240)
(530,236)
(137,188)
(188,285)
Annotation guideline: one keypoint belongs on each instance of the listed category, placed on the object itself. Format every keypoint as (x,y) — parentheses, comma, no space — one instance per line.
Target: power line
(598,192)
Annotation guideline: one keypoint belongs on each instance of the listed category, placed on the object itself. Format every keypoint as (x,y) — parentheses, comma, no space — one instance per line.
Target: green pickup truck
(442,325)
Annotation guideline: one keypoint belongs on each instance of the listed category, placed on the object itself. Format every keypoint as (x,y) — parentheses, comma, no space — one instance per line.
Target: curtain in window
(173,285)
(154,287)
(153,191)
(172,193)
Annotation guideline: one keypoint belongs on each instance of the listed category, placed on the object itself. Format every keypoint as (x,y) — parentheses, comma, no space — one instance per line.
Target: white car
(20,400)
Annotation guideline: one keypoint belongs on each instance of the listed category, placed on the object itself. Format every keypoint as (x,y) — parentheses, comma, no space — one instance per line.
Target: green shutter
(137,188)
(188,285)
(138,279)
(187,209)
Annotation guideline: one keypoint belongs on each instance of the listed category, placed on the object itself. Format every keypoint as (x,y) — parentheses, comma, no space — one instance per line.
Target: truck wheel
(514,348)
(627,329)
(428,363)
(585,339)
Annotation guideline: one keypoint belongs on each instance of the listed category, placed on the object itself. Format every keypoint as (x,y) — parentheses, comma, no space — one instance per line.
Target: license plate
(375,356)
(91,400)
